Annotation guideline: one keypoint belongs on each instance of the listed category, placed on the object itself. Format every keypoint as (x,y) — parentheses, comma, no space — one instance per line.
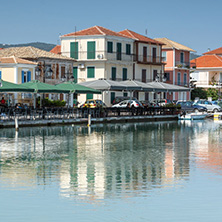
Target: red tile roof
(56,49)
(215,51)
(139,37)
(95,30)
(207,61)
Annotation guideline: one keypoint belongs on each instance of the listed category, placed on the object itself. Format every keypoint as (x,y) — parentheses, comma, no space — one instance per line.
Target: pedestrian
(3,101)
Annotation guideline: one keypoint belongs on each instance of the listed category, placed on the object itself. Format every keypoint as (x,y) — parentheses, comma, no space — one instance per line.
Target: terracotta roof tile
(95,30)
(139,37)
(215,51)
(56,50)
(30,52)
(173,45)
(15,60)
(207,61)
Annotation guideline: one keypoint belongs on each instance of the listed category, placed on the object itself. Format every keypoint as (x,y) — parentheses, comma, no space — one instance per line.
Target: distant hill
(39,45)
(194,56)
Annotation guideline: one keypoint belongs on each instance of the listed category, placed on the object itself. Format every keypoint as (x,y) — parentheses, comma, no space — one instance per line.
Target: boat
(192,116)
(218,117)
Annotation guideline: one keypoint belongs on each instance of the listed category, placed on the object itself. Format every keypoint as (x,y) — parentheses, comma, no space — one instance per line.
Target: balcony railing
(102,55)
(148,59)
(182,64)
(182,83)
(209,83)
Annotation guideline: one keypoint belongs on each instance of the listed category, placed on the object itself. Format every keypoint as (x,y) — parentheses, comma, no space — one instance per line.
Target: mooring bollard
(16,123)
(89,120)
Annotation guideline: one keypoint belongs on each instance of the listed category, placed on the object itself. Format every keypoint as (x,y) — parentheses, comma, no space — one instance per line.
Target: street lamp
(160,77)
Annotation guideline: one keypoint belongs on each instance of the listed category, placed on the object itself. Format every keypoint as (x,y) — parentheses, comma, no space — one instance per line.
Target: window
(89,96)
(128,49)
(143,75)
(167,76)
(178,78)
(113,73)
(75,74)
(91,50)
(124,73)
(110,47)
(164,55)
(119,51)
(90,72)
(112,97)
(26,76)
(182,57)
(155,75)
(74,50)
(185,78)
(63,70)
(125,94)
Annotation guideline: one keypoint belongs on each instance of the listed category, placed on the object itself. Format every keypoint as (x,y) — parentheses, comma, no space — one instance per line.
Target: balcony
(182,65)
(103,56)
(179,83)
(148,59)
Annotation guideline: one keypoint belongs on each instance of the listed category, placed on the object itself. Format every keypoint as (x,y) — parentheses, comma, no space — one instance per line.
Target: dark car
(190,107)
(148,104)
(119,99)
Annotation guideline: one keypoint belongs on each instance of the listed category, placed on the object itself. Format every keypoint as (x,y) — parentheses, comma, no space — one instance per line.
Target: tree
(213,93)
(198,92)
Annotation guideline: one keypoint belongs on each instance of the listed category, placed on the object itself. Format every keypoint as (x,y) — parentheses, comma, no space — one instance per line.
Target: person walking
(3,101)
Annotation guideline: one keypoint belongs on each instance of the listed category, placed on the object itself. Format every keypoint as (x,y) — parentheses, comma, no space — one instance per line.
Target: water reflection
(107,161)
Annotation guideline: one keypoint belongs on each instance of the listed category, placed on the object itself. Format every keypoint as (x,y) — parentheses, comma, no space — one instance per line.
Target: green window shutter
(110,47)
(119,51)
(128,49)
(91,50)
(113,73)
(75,74)
(89,96)
(90,72)
(74,50)
(112,97)
(124,73)
(125,94)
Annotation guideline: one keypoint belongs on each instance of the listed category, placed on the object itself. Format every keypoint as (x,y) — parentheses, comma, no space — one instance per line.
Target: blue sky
(194,23)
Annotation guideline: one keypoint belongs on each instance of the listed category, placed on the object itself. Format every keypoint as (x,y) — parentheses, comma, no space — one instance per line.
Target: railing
(182,64)
(209,83)
(102,55)
(29,114)
(182,83)
(148,59)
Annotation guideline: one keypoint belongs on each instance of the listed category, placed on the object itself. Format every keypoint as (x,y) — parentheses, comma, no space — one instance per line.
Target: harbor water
(162,171)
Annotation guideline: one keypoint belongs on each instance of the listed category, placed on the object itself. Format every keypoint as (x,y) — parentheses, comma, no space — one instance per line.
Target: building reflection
(103,161)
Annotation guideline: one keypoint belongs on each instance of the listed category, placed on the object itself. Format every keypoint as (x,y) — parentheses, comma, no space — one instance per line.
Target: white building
(102,53)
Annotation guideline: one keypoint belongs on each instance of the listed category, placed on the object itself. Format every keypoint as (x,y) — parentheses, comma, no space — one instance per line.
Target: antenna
(146,32)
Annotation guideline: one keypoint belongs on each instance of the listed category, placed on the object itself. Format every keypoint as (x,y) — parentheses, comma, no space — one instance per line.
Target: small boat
(218,117)
(192,116)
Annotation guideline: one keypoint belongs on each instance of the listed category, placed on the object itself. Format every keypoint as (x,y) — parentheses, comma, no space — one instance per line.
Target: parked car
(128,103)
(161,102)
(210,107)
(118,99)
(190,107)
(217,102)
(93,103)
(147,104)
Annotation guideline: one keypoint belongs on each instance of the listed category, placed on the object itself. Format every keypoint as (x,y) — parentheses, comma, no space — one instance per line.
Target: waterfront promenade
(62,116)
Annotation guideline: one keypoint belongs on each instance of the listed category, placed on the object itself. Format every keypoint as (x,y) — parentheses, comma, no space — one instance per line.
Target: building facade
(119,56)
(208,69)
(177,67)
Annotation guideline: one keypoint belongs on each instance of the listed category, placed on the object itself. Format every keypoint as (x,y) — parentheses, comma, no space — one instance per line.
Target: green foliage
(198,92)
(169,105)
(50,103)
(212,93)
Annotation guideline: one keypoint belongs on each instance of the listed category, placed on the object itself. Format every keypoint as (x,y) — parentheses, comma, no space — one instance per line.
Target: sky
(194,23)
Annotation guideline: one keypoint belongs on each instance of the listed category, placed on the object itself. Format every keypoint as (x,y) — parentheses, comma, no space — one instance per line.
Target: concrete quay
(79,121)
